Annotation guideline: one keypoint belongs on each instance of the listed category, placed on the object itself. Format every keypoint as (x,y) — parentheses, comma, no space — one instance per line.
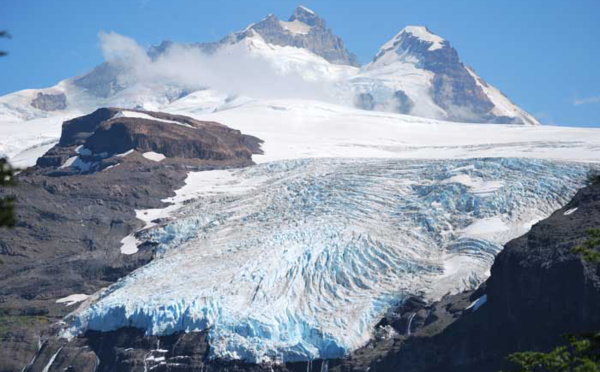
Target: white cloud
(586,101)
(232,70)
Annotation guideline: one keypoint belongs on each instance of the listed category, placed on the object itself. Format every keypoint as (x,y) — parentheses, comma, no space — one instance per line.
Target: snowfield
(298,259)
(297,128)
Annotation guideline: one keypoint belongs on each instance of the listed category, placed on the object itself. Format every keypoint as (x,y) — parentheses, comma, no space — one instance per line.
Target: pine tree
(7,203)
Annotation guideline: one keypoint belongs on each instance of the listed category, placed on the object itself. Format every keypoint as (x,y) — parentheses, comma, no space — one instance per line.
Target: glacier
(298,259)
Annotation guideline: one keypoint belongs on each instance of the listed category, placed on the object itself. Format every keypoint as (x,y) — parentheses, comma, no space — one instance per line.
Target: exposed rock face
(71,219)
(364,101)
(102,81)
(538,291)
(316,37)
(49,101)
(403,103)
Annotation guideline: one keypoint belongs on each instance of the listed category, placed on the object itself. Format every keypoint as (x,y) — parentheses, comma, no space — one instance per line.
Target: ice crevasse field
(298,259)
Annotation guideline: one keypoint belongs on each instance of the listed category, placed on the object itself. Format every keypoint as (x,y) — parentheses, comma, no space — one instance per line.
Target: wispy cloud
(234,70)
(586,101)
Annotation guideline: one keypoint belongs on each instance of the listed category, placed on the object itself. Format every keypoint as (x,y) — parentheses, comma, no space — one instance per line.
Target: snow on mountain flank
(298,259)
(306,9)
(141,115)
(296,27)
(424,34)
(294,129)
(420,32)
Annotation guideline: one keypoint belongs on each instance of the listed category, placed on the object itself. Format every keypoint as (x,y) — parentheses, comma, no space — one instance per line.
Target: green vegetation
(589,248)
(582,354)
(9,323)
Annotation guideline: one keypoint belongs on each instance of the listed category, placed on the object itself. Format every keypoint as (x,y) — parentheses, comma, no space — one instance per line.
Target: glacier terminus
(298,259)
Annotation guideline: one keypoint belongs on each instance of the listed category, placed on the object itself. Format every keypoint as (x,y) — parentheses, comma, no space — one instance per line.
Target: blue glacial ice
(297,260)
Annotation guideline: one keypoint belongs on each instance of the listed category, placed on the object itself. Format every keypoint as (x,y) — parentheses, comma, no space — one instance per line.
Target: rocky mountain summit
(306,30)
(79,202)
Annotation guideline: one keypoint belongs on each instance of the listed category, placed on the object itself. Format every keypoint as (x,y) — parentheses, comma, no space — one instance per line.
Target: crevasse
(297,260)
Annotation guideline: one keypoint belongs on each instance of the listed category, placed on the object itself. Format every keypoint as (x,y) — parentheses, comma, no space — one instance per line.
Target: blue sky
(544,54)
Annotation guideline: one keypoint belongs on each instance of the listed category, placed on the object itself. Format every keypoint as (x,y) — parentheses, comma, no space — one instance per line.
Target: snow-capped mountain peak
(420,32)
(418,72)
(423,33)
(307,16)
(305,30)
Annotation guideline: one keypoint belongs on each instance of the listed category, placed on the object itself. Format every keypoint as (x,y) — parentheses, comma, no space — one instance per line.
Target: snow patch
(570,211)
(141,115)
(51,361)
(68,162)
(110,167)
(477,303)
(306,9)
(129,245)
(154,156)
(296,27)
(72,299)
(77,162)
(486,227)
(122,155)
